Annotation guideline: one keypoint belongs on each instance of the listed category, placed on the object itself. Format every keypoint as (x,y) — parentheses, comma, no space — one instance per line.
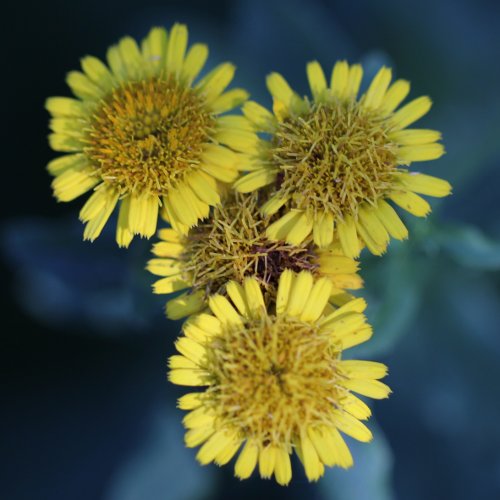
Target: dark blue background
(86,410)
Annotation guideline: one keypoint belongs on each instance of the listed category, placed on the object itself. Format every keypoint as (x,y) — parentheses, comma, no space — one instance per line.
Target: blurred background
(86,409)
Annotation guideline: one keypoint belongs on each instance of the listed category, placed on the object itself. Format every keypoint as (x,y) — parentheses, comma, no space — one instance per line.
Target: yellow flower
(335,161)
(141,133)
(231,245)
(275,381)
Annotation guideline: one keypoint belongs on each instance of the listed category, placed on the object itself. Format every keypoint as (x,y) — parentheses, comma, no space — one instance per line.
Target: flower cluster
(267,214)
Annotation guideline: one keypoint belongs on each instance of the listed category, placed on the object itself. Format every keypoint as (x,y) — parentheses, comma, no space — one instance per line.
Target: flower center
(232,245)
(147,135)
(335,157)
(272,377)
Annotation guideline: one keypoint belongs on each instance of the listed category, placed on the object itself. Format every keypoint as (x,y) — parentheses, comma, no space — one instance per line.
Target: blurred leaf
(371,476)
(470,247)
(164,469)
(64,281)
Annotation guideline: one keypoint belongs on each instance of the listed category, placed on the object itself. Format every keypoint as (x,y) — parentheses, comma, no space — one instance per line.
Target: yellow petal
(185,305)
(373,226)
(229,100)
(425,184)
(65,106)
(237,294)
(352,426)
(194,437)
(323,230)
(312,464)
(143,214)
(212,447)
(254,297)
(170,235)
(177,44)
(195,60)
(411,137)
(213,84)
(340,76)
(317,300)
(354,368)
(349,237)
(353,82)
(394,96)
(300,230)
(299,293)
(272,205)
(421,152)
(391,221)
(243,141)
(164,267)
(255,180)
(317,80)
(267,461)
(223,310)
(279,230)
(131,57)
(279,88)
(262,119)
(370,388)
(190,401)
(154,49)
(124,235)
(98,72)
(169,284)
(67,162)
(73,183)
(286,280)
(65,143)
(95,225)
(191,349)
(376,92)
(411,202)
(282,467)
(188,377)
(247,460)
(411,112)
(82,86)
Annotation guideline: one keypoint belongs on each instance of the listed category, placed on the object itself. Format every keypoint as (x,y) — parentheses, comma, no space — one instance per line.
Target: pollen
(334,157)
(148,135)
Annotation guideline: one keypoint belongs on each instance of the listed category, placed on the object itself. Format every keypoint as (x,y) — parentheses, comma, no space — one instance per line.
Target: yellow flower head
(142,134)
(275,381)
(231,245)
(335,161)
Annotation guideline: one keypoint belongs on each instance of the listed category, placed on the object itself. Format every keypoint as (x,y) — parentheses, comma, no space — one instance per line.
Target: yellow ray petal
(195,60)
(317,80)
(411,202)
(376,92)
(425,184)
(255,180)
(177,44)
(247,460)
(411,112)
(339,78)
(391,221)
(394,96)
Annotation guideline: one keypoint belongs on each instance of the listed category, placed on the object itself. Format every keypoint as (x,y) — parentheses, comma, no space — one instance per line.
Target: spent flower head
(232,245)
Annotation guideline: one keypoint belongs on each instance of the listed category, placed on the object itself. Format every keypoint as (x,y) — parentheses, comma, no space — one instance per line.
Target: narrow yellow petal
(237,294)
(339,79)
(124,235)
(194,437)
(317,300)
(229,100)
(373,226)
(226,454)
(95,204)
(394,96)
(370,388)
(352,426)
(312,464)
(195,60)
(247,460)
(73,183)
(267,461)
(164,267)
(323,230)
(177,44)
(255,180)
(376,247)
(65,106)
(378,87)
(83,87)
(65,143)
(185,304)
(411,202)
(354,368)
(349,237)
(391,221)
(282,467)
(131,57)
(287,278)
(213,84)
(221,173)
(98,73)
(95,225)
(356,337)
(254,297)
(59,165)
(177,361)
(170,284)
(335,442)
(262,119)
(411,112)
(425,184)
(300,230)
(223,310)
(272,205)
(279,88)
(244,141)
(317,80)
(412,137)
(143,214)
(279,230)
(325,451)
(353,405)
(299,293)
(171,235)
(154,49)
(353,82)
(191,349)
(188,377)
(213,446)
(421,152)
(190,401)
(337,264)
(167,249)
